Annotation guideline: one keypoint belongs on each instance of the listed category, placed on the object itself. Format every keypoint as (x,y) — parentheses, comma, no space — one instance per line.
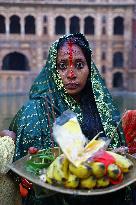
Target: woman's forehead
(68,49)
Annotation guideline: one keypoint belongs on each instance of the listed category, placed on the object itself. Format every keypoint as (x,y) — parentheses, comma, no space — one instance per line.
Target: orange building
(28,27)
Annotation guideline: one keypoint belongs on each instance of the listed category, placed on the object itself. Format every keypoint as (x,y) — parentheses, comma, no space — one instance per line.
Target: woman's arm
(8,133)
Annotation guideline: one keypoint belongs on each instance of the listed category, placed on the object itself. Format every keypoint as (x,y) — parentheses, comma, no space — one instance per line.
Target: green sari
(48,99)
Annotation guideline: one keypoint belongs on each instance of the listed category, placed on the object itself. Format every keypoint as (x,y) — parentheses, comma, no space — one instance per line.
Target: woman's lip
(72,85)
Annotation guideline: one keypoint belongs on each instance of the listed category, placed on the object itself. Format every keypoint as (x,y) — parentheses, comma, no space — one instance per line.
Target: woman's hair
(80,40)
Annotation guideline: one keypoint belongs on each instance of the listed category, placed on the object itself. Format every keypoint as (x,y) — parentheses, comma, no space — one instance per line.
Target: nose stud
(71,74)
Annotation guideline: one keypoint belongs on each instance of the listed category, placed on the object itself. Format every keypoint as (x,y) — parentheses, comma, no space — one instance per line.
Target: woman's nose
(71,74)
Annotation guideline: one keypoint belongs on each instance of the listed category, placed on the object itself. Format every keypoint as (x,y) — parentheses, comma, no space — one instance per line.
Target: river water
(9,105)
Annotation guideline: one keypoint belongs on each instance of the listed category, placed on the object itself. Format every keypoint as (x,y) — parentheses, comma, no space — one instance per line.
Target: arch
(118,25)
(29,25)
(89,25)
(60,25)
(2,24)
(15,61)
(14,24)
(118,60)
(74,24)
(118,80)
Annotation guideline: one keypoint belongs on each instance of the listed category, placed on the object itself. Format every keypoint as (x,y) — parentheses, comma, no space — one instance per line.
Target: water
(9,105)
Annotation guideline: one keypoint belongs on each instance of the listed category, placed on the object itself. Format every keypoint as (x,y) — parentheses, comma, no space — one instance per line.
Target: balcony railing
(12,82)
(101,2)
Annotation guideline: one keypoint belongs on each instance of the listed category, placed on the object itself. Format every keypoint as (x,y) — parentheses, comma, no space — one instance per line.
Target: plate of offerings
(94,177)
(77,166)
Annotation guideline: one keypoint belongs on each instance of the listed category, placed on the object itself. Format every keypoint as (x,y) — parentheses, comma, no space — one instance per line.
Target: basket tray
(19,167)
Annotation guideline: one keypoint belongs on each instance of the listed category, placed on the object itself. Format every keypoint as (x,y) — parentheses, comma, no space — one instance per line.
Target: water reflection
(125,101)
(9,105)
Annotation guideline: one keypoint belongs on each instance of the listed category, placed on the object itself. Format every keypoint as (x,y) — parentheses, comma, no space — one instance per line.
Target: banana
(58,170)
(50,173)
(88,183)
(64,165)
(72,181)
(58,176)
(113,171)
(82,171)
(98,169)
(122,162)
(103,182)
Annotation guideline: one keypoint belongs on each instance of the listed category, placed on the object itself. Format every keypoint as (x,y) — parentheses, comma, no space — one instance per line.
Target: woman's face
(73,68)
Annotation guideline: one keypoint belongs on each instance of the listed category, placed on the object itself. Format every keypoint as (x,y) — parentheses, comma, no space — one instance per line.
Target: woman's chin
(74,94)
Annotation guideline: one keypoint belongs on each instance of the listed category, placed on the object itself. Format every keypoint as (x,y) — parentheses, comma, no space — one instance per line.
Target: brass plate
(19,168)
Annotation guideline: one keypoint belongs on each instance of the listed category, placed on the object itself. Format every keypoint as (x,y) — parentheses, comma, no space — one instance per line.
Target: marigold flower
(7,149)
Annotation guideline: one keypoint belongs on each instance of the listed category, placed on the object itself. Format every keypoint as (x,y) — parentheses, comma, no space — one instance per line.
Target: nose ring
(72,74)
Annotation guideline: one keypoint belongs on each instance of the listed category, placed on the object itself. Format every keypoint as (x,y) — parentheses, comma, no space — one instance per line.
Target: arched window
(2,24)
(74,24)
(118,26)
(14,24)
(103,30)
(60,25)
(89,26)
(103,56)
(118,60)
(45,19)
(45,24)
(118,80)
(29,25)
(15,61)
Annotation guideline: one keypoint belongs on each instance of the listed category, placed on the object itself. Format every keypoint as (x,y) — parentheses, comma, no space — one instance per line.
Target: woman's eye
(79,65)
(62,66)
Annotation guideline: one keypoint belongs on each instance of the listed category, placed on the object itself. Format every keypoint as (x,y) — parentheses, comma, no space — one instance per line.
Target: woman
(70,80)
(83,92)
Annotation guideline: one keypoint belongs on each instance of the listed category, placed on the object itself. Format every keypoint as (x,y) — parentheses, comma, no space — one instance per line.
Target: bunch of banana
(57,172)
(88,175)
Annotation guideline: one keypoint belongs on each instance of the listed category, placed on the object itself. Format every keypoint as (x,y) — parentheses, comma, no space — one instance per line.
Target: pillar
(7,26)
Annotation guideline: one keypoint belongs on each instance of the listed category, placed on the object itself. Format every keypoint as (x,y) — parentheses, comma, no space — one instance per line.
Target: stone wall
(35,46)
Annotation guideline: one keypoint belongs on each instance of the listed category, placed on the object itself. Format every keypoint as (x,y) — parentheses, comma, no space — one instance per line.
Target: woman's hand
(8,133)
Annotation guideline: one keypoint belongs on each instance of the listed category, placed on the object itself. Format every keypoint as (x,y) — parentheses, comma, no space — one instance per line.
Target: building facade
(28,27)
